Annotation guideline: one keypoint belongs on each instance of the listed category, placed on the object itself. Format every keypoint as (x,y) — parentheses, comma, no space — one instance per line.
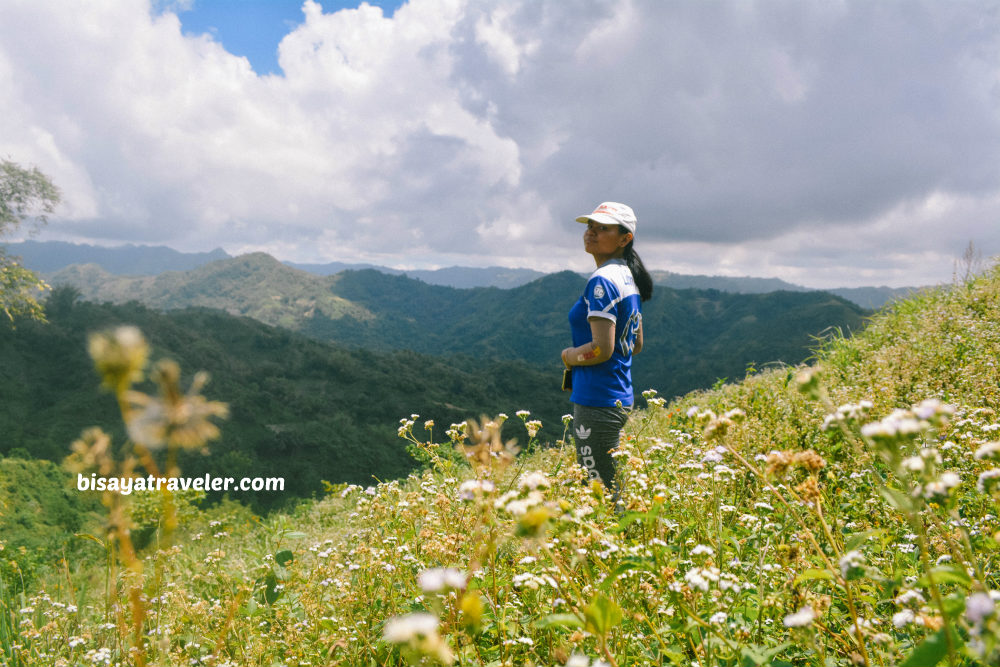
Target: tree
(969,265)
(27,196)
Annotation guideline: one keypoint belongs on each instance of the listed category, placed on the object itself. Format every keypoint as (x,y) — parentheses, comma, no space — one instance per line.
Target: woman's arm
(638,339)
(598,350)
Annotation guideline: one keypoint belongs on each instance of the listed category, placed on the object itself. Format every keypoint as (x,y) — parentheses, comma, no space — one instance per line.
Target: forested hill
(693,337)
(301,409)
(255,285)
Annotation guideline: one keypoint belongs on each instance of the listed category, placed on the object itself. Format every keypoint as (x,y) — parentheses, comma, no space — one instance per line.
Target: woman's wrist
(584,355)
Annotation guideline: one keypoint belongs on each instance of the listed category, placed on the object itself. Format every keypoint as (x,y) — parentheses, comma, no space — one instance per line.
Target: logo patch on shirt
(598,292)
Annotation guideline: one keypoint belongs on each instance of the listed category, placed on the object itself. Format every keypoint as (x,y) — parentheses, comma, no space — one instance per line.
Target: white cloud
(803,139)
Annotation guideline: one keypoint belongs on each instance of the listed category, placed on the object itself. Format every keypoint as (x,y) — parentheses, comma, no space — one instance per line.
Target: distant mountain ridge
(50,257)
(696,336)
(871,298)
(139,260)
(452,276)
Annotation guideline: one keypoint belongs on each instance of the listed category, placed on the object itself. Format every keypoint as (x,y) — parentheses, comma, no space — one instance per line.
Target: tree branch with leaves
(27,197)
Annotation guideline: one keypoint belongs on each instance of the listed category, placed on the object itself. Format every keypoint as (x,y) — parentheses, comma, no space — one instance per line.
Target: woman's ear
(625,239)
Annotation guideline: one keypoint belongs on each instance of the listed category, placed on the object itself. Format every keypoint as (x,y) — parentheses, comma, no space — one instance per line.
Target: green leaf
(674,655)
(947,574)
(775,650)
(755,656)
(813,574)
(896,499)
(628,519)
(294,534)
(629,565)
(954,604)
(284,557)
(750,656)
(251,608)
(602,614)
(559,621)
(929,652)
(857,539)
(271,592)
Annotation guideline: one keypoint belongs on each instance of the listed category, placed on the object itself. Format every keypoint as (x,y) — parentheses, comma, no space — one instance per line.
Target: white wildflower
(950,479)
(991,450)
(852,565)
(909,595)
(800,618)
(419,630)
(402,629)
(470,488)
(978,607)
(988,481)
(440,578)
(695,580)
(533,480)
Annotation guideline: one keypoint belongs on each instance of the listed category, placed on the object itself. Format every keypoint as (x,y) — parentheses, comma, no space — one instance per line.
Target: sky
(830,143)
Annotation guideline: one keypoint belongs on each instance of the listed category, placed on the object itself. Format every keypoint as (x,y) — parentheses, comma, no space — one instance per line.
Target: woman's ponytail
(643,281)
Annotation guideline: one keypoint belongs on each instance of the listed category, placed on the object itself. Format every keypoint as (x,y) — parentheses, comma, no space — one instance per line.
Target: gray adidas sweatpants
(596,432)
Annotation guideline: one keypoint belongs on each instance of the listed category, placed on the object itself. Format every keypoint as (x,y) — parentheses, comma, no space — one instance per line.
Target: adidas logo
(582,433)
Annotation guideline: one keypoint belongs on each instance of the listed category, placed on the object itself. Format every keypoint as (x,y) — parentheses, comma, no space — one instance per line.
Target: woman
(606,326)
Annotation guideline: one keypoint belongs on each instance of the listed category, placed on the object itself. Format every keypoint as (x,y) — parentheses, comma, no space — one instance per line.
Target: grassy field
(843,513)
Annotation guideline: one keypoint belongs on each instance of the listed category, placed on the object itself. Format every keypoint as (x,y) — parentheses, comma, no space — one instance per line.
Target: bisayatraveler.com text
(126,485)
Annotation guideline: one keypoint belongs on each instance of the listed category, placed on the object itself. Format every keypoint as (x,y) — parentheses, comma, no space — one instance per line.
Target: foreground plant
(170,421)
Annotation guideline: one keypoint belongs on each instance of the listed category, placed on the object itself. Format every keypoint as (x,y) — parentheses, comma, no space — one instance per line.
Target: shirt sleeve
(601,296)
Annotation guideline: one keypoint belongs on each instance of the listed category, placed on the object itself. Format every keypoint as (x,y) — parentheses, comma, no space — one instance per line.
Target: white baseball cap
(612,213)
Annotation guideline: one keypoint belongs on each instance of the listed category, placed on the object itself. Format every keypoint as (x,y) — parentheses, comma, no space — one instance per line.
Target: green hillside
(301,408)
(693,337)
(254,285)
(839,514)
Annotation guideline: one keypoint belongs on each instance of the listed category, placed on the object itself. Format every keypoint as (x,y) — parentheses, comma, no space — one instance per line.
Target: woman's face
(603,240)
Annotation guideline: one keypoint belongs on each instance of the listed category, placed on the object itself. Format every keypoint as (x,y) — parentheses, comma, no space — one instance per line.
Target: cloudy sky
(826,142)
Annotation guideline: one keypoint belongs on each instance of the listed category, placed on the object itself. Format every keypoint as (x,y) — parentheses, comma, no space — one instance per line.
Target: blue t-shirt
(610,293)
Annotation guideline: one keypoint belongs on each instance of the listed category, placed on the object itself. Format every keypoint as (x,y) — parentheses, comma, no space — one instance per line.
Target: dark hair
(643,281)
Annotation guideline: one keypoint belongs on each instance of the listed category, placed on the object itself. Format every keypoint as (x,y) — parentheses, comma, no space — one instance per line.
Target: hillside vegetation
(254,285)
(837,514)
(312,410)
(693,337)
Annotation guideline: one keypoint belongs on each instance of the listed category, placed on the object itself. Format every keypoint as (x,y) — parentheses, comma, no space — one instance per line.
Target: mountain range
(319,369)
(693,336)
(49,257)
